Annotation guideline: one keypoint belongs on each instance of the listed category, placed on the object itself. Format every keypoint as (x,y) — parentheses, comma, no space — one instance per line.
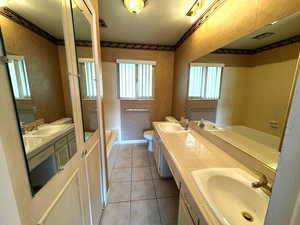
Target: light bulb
(3,3)
(134,6)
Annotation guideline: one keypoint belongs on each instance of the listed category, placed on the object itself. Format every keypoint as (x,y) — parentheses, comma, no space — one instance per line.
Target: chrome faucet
(263,183)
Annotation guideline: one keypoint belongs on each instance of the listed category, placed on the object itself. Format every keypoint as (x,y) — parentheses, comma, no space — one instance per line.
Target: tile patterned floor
(137,195)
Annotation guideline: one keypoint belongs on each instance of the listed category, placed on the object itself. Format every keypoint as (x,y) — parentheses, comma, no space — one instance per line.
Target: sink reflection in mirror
(242,91)
(38,75)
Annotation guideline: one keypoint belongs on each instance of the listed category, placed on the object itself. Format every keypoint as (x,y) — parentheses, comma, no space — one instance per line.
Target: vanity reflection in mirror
(242,91)
(37,71)
(86,68)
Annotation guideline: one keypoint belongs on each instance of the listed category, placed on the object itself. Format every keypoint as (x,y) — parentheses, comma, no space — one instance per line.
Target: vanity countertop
(34,144)
(190,151)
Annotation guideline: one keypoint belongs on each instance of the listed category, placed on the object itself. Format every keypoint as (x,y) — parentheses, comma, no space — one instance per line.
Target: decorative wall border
(112,44)
(277,44)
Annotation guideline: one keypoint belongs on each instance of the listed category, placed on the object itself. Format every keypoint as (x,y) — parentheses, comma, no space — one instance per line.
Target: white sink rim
(235,173)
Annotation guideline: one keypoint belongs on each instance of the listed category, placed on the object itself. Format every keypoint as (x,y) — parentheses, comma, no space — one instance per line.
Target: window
(205,81)
(136,79)
(18,76)
(88,78)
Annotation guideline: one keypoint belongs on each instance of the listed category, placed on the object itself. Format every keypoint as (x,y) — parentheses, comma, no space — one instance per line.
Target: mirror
(242,91)
(33,42)
(86,68)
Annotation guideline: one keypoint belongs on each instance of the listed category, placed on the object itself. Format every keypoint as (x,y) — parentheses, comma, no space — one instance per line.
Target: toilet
(148,135)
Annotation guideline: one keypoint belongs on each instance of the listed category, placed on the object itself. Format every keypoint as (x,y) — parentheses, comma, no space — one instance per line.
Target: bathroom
(111,115)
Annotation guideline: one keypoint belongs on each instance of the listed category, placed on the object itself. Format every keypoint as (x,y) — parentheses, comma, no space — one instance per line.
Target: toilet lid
(148,134)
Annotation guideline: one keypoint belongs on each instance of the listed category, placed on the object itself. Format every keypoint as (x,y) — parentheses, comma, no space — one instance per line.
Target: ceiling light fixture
(135,6)
(201,8)
(3,3)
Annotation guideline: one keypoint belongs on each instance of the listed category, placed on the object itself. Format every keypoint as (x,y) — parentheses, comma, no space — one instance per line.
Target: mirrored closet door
(86,67)
(37,69)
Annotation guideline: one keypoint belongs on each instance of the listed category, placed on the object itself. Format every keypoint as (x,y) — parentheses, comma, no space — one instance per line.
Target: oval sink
(171,127)
(229,194)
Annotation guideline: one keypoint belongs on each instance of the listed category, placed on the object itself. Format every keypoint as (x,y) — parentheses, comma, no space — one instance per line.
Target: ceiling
(46,14)
(43,13)
(161,22)
(283,29)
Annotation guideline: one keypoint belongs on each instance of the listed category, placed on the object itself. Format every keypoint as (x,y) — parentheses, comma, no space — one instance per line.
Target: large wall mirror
(241,92)
(86,67)
(34,43)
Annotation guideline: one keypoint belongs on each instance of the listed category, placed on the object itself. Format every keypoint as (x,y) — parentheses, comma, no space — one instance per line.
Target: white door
(92,168)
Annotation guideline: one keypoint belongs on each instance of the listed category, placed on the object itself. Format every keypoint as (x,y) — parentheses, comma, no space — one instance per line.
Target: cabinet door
(92,170)
(72,148)
(62,156)
(184,217)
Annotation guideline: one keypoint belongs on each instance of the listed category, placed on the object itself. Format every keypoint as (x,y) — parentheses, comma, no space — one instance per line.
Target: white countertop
(190,151)
(34,144)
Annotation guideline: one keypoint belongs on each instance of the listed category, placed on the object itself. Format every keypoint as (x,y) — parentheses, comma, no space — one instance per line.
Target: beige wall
(42,64)
(267,95)
(111,103)
(163,74)
(215,33)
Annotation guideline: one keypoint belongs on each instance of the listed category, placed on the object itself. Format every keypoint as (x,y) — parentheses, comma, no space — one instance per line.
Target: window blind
(18,76)
(88,77)
(136,80)
(205,81)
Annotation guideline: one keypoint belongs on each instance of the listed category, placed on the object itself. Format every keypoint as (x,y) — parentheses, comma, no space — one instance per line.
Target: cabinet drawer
(61,142)
(39,158)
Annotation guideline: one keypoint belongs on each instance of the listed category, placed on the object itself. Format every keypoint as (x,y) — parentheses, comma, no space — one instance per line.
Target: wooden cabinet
(161,163)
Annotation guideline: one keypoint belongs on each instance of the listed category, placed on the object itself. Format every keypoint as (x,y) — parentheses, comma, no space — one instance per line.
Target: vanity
(48,149)
(209,180)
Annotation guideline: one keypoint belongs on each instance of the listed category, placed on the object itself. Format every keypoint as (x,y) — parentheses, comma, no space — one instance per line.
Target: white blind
(136,81)
(18,76)
(88,78)
(204,82)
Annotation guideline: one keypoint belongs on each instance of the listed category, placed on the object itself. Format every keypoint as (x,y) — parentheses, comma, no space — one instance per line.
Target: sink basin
(47,130)
(171,127)
(229,194)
